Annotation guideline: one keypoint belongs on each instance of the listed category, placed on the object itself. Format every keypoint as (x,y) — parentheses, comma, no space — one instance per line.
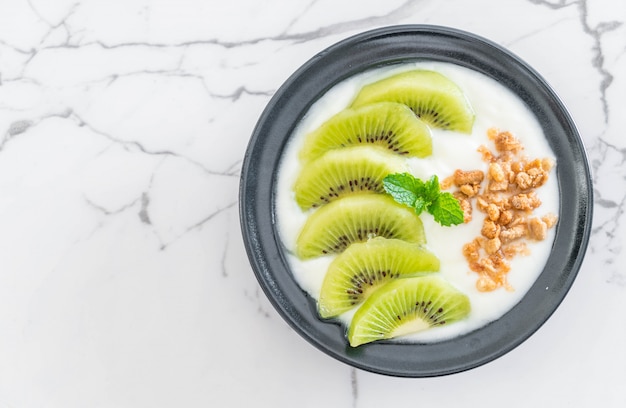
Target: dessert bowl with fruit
(402,201)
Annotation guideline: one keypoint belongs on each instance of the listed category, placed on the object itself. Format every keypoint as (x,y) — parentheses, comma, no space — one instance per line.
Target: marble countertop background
(123,277)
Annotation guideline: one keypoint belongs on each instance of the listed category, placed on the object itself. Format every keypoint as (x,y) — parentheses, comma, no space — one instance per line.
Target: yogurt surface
(494,106)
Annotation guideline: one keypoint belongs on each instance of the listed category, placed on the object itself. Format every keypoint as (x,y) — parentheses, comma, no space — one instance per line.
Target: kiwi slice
(390,125)
(405,306)
(344,171)
(364,267)
(357,218)
(433,97)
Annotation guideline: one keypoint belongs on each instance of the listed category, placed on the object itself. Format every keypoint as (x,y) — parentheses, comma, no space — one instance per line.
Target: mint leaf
(431,189)
(420,205)
(405,189)
(419,195)
(446,210)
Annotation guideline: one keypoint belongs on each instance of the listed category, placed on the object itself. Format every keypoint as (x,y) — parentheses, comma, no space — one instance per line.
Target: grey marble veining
(124,281)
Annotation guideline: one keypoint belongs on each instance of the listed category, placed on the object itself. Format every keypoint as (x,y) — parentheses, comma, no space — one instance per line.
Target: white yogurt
(495,106)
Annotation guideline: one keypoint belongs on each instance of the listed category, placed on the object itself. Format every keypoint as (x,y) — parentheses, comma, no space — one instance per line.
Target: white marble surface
(123,277)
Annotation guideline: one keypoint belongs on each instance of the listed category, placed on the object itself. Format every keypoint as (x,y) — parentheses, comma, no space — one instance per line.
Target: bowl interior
(375,49)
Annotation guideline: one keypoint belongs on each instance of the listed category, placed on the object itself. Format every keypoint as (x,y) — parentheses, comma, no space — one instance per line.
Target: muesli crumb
(506,195)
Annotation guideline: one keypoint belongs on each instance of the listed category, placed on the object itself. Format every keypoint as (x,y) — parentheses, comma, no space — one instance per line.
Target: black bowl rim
(386,46)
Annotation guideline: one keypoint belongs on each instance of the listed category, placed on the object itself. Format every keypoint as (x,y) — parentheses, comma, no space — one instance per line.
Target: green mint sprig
(420,195)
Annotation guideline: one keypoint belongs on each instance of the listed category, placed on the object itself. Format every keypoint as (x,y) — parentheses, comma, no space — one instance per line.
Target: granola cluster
(506,195)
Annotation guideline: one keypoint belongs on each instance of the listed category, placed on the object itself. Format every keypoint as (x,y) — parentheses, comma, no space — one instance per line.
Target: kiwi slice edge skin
(433,97)
(407,305)
(331,228)
(364,267)
(389,125)
(340,172)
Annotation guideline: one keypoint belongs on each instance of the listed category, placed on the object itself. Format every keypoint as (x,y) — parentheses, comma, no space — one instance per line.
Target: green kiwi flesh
(333,227)
(390,125)
(364,267)
(405,306)
(434,98)
(344,171)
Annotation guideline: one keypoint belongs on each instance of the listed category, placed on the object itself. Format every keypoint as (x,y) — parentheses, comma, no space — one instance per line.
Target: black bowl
(384,47)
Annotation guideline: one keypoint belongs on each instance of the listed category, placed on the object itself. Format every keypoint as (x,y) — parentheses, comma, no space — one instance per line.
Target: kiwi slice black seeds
(434,98)
(344,171)
(356,218)
(388,125)
(363,267)
(407,305)
(380,265)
